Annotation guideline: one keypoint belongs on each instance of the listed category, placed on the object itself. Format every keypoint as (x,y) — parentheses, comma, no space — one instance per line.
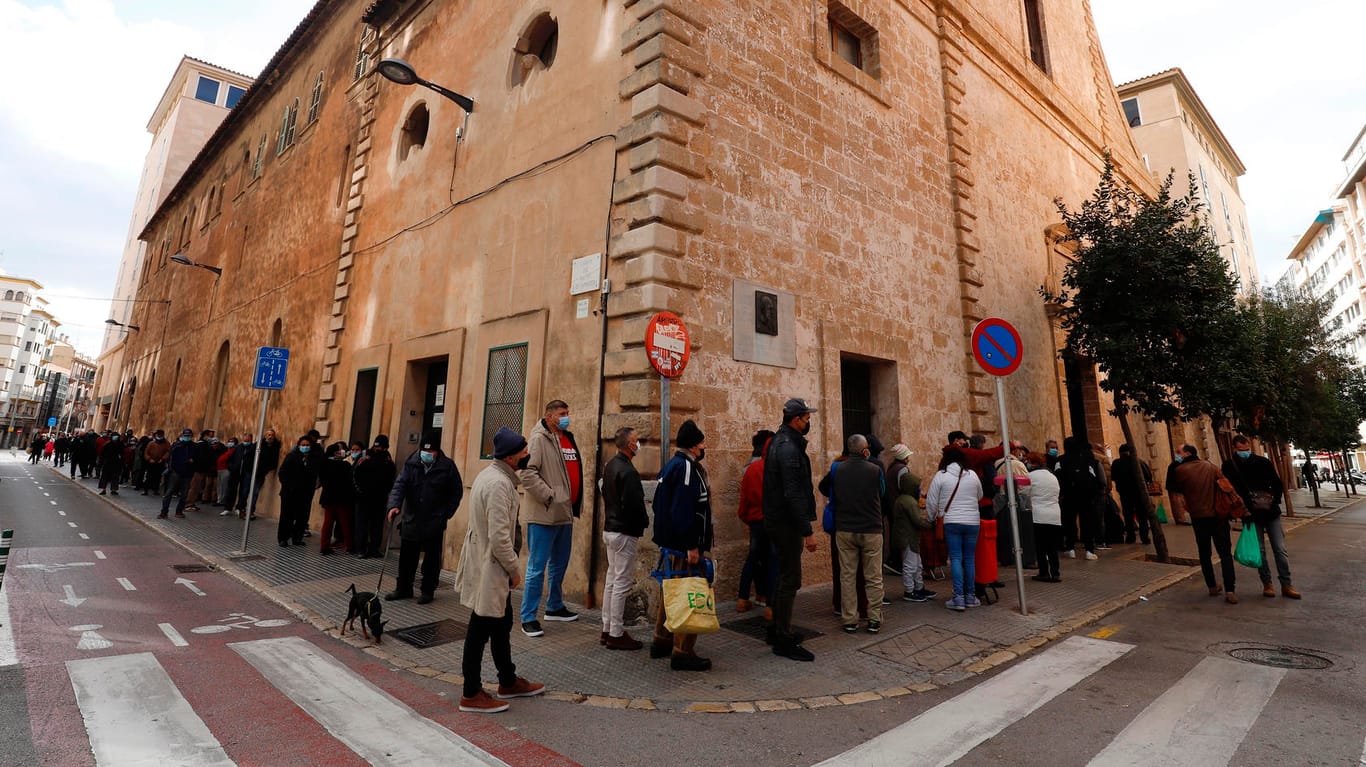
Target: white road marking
(61,513)
(72,524)
(84,537)
(135,715)
(57,567)
(383,730)
(1199,721)
(126,584)
(49,495)
(9,654)
(946,732)
(54,503)
(71,598)
(173,635)
(189,584)
(99,554)
(90,638)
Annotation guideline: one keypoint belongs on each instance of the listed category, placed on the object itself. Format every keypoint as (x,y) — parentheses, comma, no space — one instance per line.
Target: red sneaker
(482,703)
(520,689)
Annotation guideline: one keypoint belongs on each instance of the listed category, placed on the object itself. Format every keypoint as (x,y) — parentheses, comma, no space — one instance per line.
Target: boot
(1215,591)
(1267,591)
(1231,598)
(1288,591)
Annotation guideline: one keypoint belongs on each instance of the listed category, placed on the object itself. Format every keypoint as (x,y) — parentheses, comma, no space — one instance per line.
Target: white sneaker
(1070,554)
(225,513)
(1091,556)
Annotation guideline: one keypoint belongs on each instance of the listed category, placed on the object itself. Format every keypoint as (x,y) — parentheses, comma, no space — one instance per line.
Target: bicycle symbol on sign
(239,621)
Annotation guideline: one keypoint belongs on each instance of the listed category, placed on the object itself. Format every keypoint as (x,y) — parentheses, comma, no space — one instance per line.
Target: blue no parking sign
(996,346)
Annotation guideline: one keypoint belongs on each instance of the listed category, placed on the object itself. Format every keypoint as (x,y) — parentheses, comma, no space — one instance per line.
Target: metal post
(1010,497)
(255,466)
(5,537)
(663,422)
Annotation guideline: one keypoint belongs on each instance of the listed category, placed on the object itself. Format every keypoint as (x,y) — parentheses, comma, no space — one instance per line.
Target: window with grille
(504,393)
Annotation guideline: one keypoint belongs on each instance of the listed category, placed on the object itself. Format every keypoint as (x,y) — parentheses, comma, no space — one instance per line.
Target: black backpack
(1077,480)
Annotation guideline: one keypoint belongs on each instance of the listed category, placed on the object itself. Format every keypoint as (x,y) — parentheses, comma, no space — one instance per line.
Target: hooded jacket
(954,495)
(546,479)
(908,519)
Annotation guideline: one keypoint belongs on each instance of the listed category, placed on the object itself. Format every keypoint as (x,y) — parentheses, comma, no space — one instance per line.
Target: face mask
(806,428)
(1179,457)
(1052,451)
(213,440)
(158,439)
(184,439)
(522,464)
(356,454)
(1245,454)
(305,448)
(701,454)
(564,422)
(427,457)
(232,444)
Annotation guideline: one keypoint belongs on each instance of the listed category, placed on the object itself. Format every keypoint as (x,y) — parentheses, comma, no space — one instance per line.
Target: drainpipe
(590,594)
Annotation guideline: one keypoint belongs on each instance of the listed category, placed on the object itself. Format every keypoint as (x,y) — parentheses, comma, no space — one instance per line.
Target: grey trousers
(1273,529)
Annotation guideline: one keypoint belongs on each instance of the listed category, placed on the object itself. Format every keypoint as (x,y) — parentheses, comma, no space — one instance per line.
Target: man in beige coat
(553,480)
(486,575)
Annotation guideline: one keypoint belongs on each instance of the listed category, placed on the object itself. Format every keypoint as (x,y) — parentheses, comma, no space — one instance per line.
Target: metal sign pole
(1010,497)
(663,421)
(6,537)
(255,467)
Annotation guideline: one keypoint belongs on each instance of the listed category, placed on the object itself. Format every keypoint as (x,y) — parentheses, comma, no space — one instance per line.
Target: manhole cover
(757,628)
(427,635)
(1281,657)
(191,568)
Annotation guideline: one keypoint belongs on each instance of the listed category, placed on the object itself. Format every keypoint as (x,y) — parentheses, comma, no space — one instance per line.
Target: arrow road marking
(126,584)
(90,638)
(173,635)
(189,584)
(71,598)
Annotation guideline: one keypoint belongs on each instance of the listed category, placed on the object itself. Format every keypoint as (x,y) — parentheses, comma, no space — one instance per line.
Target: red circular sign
(997,347)
(667,344)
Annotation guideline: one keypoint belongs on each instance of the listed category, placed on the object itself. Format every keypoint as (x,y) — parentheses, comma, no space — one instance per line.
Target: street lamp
(116,323)
(401,72)
(181,258)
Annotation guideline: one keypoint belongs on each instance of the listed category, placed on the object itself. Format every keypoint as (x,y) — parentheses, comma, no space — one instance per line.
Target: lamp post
(401,72)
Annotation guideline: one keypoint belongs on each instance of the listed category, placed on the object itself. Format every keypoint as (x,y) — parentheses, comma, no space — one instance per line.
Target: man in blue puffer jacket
(683,526)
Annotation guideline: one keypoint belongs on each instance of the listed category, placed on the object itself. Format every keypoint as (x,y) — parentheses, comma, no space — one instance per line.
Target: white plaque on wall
(586,275)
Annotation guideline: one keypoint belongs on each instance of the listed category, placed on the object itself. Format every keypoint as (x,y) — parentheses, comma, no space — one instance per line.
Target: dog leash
(384,560)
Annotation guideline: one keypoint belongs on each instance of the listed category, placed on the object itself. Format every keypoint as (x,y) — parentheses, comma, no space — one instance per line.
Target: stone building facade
(829,193)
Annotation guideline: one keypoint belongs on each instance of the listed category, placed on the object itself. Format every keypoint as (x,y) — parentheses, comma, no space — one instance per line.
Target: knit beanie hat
(689,436)
(901,452)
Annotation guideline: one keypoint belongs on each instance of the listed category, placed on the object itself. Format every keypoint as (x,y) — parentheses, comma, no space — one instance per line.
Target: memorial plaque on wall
(764,328)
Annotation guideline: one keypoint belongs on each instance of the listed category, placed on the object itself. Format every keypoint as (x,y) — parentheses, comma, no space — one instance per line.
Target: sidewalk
(922,646)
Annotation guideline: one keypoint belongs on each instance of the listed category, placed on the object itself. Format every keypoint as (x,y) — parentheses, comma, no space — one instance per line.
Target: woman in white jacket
(1043,495)
(953,496)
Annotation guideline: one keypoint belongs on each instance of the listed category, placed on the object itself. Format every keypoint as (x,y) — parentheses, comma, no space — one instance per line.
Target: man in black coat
(427,493)
(1256,480)
(789,510)
(623,498)
(1133,492)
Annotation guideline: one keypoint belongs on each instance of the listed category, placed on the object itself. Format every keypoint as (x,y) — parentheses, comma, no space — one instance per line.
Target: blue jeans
(548,549)
(761,565)
(962,541)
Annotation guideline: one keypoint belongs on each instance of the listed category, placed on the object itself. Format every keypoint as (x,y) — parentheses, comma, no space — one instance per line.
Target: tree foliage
(1148,298)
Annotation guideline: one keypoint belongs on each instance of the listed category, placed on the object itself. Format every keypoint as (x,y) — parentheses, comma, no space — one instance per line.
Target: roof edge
(1184,88)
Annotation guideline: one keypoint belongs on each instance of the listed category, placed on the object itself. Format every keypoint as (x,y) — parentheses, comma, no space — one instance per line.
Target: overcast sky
(1285,81)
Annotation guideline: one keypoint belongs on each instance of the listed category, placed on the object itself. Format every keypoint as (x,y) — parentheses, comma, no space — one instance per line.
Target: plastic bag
(689,606)
(1161,513)
(1248,552)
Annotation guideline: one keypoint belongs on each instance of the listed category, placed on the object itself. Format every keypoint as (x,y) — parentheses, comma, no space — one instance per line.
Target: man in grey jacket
(553,481)
(486,575)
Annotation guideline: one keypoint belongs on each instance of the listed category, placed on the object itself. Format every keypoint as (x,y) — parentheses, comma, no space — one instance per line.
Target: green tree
(1148,298)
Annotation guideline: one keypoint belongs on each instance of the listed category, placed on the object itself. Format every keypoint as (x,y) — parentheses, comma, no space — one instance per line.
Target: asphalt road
(117,658)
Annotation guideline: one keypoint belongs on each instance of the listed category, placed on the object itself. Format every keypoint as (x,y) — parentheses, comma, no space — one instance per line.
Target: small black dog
(367,606)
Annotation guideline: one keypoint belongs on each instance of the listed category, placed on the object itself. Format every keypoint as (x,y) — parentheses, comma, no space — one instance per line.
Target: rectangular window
(363,405)
(504,393)
(1204,185)
(316,100)
(853,39)
(260,157)
(234,95)
(1131,112)
(846,44)
(207,90)
(1034,25)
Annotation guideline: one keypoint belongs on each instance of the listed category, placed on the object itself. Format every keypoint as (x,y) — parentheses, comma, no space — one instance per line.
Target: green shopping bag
(1161,513)
(1248,552)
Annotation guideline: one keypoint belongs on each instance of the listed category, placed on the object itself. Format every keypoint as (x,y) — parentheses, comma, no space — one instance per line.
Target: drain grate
(757,628)
(192,568)
(1281,657)
(425,635)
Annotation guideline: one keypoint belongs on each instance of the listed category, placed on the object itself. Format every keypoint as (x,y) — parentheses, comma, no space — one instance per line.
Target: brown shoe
(1215,591)
(624,642)
(482,703)
(768,614)
(1289,592)
(603,639)
(1231,598)
(1267,591)
(520,689)
(742,605)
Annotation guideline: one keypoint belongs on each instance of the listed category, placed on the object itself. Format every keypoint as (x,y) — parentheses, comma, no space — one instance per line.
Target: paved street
(985,687)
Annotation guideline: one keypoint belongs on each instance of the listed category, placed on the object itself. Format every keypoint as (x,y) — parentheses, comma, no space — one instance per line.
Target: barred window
(504,393)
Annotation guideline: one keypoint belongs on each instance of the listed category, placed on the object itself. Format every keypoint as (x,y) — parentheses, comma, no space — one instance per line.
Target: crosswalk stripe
(379,727)
(173,635)
(9,655)
(136,717)
(1199,721)
(943,734)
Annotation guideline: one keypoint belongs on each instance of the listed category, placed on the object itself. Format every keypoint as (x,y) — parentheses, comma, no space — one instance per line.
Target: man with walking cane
(427,493)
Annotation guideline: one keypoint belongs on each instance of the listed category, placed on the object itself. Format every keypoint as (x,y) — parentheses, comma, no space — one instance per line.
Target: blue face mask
(1052,451)
(305,448)
(356,454)
(564,422)
(184,439)
(427,457)
(1179,457)
(1245,454)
